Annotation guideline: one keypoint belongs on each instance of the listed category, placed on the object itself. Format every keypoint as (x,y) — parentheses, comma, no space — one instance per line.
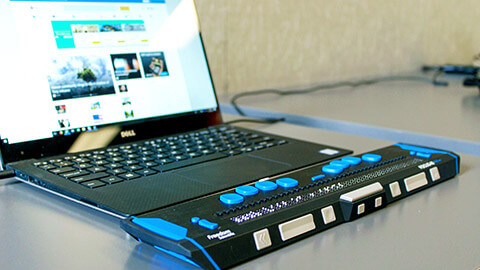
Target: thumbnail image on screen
(126,66)
(80,76)
(154,64)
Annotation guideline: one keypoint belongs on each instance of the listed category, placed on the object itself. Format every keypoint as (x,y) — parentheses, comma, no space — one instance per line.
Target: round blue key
(246,190)
(266,185)
(287,182)
(332,169)
(371,157)
(195,220)
(231,198)
(352,160)
(344,164)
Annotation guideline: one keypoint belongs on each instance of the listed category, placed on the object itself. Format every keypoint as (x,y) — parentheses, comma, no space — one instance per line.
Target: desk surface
(434,229)
(413,112)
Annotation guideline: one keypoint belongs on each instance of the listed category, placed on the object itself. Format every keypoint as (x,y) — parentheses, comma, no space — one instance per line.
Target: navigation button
(332,169)
(340,163)
(361,209)
(416,181)
(395,189)
(435,174)
(328,215)
(266,185)
(262,239)
(287,182)
(231,198)
(296,227)
(352,160)
(246,190)
(371,158)
(378,202)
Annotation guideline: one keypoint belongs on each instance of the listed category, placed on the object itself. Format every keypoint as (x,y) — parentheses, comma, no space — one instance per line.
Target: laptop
(111,104)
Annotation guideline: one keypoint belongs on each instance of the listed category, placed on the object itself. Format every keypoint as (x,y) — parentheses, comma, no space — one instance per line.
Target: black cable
(320,87)
(6,174)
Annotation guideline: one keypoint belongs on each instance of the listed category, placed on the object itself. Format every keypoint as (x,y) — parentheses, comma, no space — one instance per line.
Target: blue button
(207,224)
(341,163)
(266,185)
(287,182)
(318,177)
(231,198)
(246,190)
(412,153)
(352,160)
(332,169)
(371,157)
(424,155)
(194,220)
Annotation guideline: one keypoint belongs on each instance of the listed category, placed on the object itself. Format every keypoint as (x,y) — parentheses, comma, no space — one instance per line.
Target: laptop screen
(75,66)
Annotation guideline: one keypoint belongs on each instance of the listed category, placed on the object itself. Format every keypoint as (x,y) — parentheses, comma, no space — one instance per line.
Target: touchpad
(235,171)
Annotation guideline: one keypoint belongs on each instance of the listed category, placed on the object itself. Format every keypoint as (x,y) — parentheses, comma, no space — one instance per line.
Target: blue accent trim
(428,150)
(171,231)
(178,256)
(318,177)
(424,155)
(162,227)
(214,264)
(207,224)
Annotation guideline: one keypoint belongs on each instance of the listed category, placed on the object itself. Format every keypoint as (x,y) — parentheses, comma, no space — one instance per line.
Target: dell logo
(128,133)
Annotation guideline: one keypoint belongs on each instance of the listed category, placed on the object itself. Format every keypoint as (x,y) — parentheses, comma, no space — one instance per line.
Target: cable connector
(7,174)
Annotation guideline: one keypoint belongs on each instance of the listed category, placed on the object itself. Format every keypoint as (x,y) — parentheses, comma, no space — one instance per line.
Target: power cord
(320,87)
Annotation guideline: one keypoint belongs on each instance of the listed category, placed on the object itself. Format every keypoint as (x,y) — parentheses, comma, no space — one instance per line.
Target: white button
(395,189)
(361,209)
(328,214)
(262,239)
(296,227)
(361,193)
(378,202)
(434,173)
(416,181)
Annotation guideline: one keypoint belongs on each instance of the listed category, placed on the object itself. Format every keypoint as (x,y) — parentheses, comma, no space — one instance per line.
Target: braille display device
(229,227)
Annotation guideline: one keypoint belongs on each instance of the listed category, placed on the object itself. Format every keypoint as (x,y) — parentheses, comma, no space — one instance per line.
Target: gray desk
(413,112)
(434,229)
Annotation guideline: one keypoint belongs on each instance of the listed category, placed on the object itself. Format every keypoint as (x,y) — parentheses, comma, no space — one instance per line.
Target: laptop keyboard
(113,165)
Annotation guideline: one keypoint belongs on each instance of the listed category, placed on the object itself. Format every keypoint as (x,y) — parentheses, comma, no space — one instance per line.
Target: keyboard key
(89,177)
(62,170)
(93,184)
(74,174)
(83,166)
(96,169)
(112,180)
(129,176)
(146,172)
(117,171)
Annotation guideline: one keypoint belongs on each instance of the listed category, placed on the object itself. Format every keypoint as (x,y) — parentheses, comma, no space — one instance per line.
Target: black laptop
(110,103)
